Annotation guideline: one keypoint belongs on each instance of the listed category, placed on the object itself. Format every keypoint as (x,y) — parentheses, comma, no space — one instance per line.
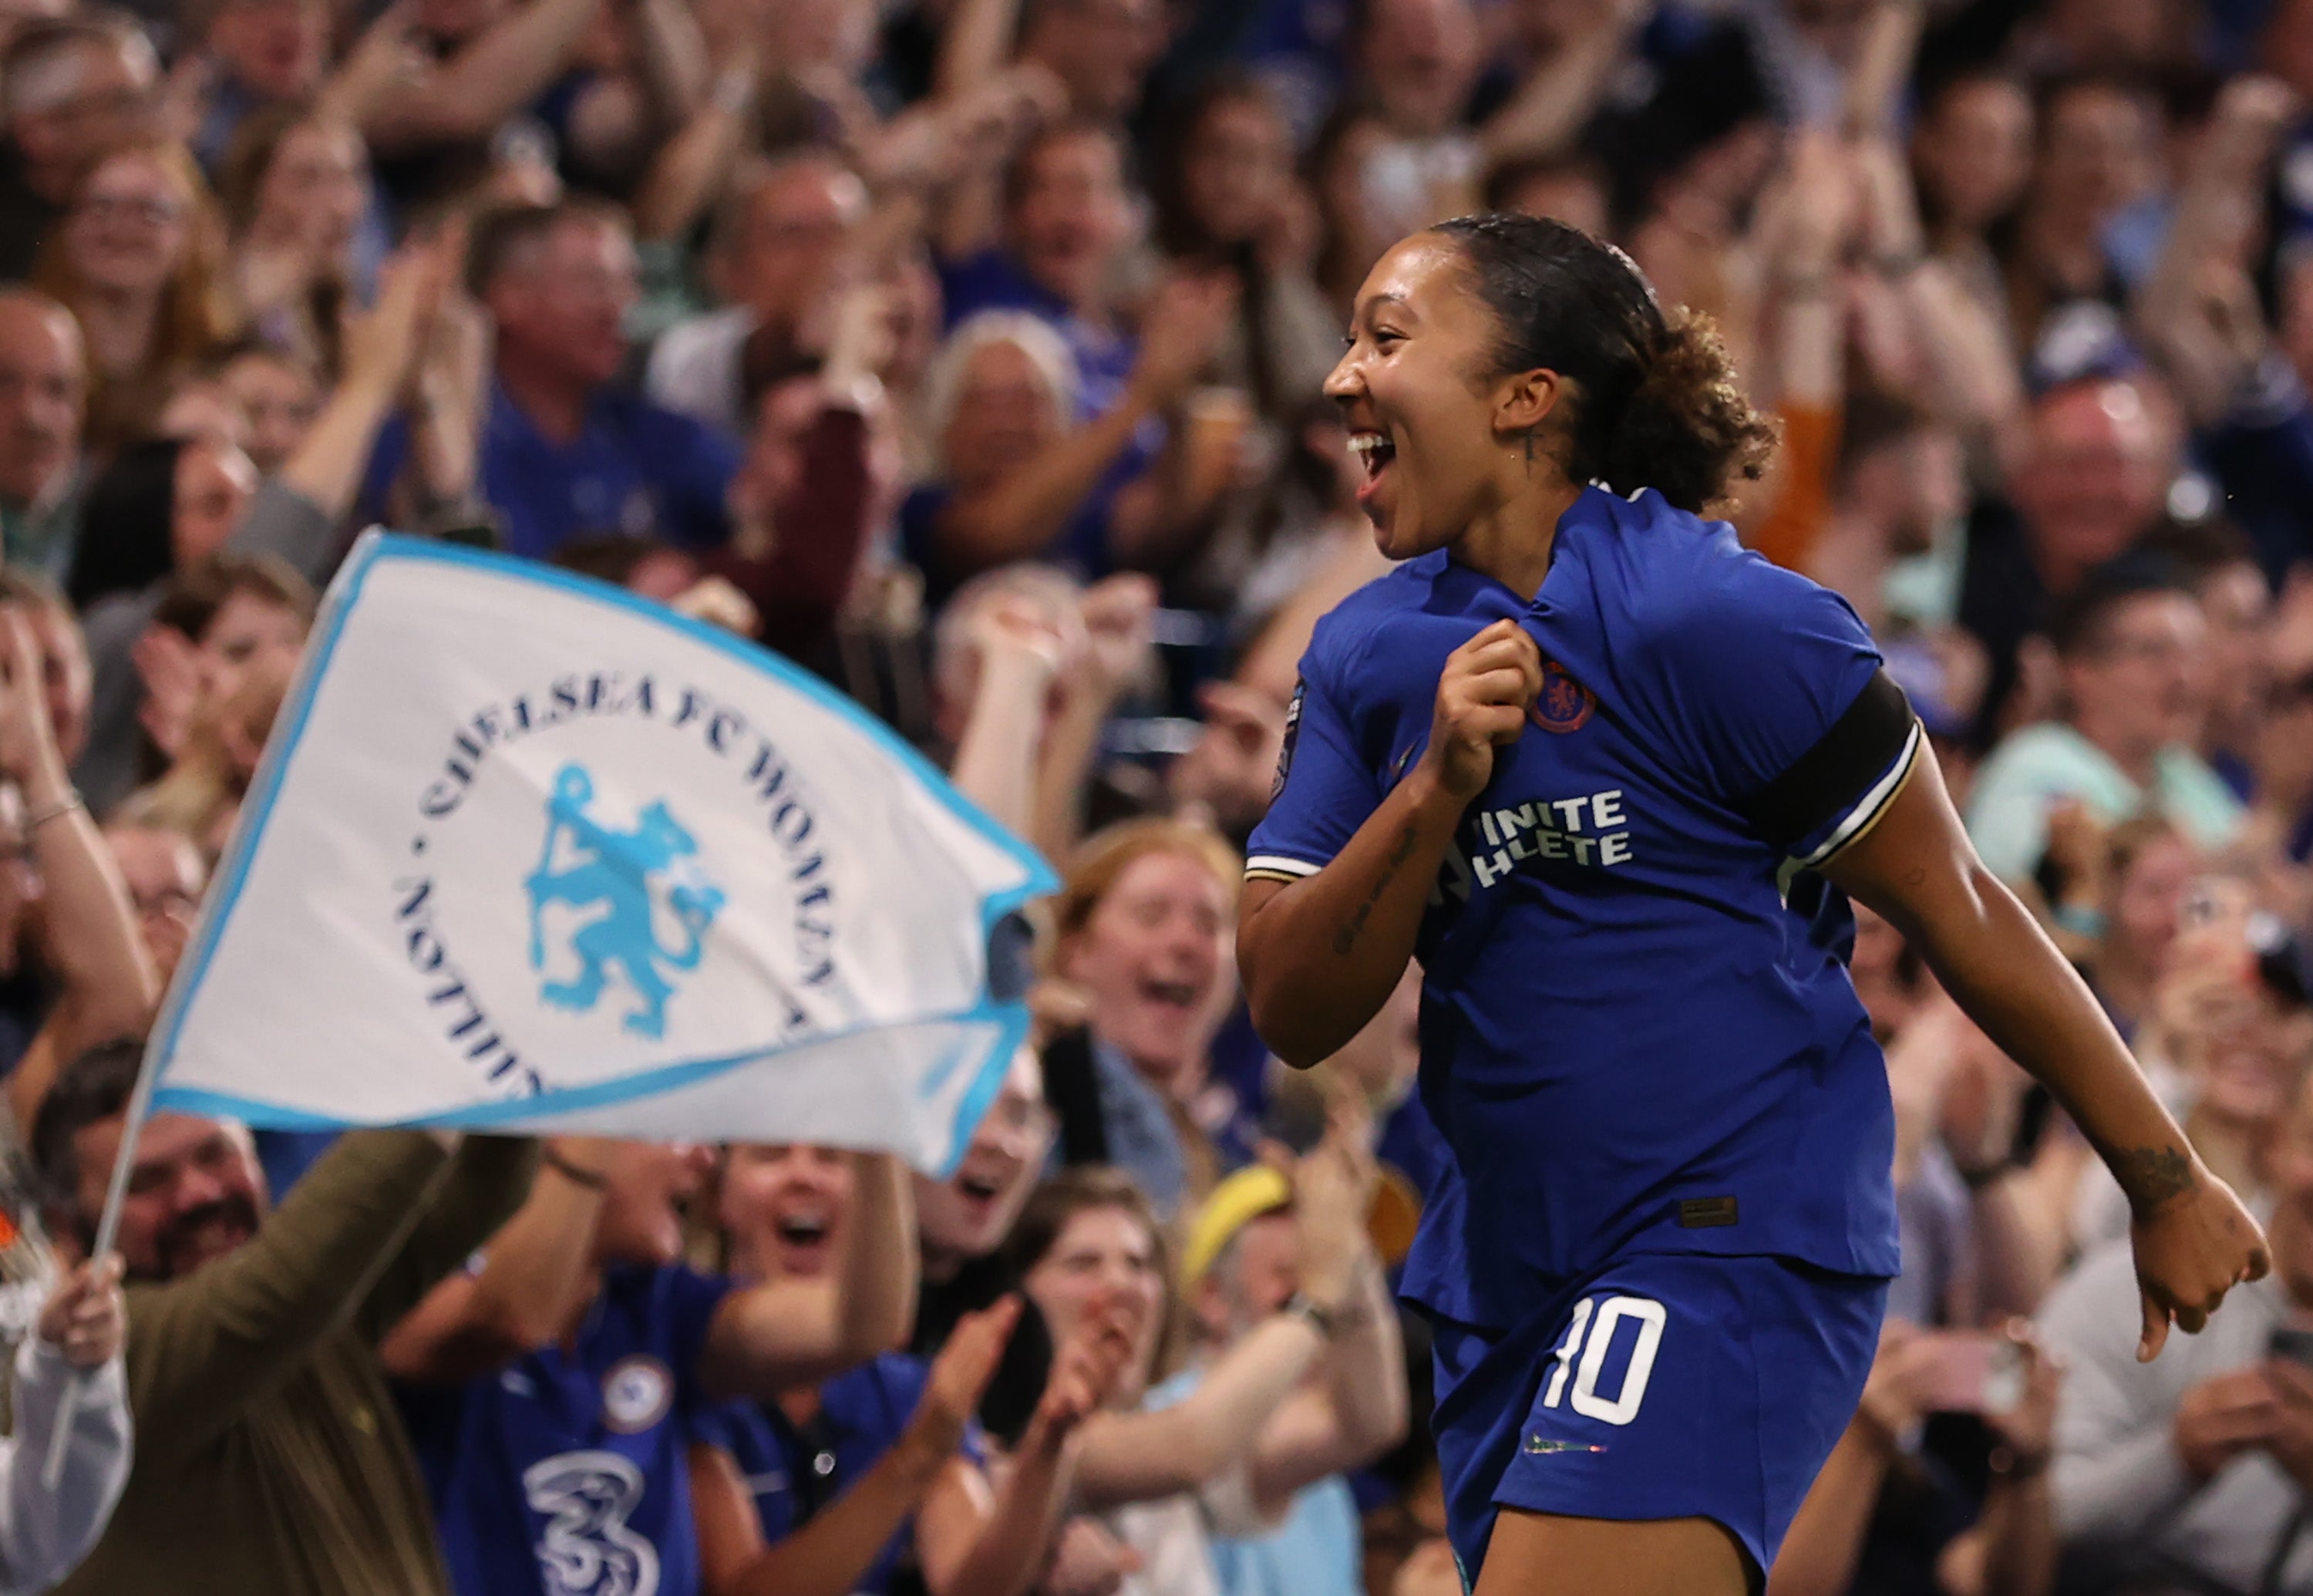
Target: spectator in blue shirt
(565,452)
(877,1479)
(550,1389)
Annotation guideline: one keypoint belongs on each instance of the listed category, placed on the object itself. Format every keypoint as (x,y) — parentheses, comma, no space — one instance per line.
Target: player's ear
(1523,400)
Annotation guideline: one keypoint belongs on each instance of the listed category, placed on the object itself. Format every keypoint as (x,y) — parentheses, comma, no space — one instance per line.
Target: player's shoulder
(1695,595)
(1342,642)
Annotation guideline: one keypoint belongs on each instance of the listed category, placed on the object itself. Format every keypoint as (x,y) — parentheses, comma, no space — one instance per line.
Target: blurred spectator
(2128,639)
(71,89)
(2135,893)
(2098,154)
(1101,50)
(163,875)
(47,1529)
(1900,490)
(43,396)
(294,187)
(1232,1440)
(1146,921)
(2221,571)
(584,1299)
(1972,155)
(162,657)
(1884,1516)
(1230,200)
(137,261)
(1244,1262)
(962,1224)
(264,53)
(448,78)
(1021,481)
(819,478)
(278,395)
(154,682)
(2223,1041)
(2190,1472)
(160,505)
(269,1452)
(2090,478)
(101,984)
(903,1491)
(780,246)
(566,452)
(1418,62)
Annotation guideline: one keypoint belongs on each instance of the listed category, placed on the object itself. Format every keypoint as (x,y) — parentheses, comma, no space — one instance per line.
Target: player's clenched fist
(1489,684)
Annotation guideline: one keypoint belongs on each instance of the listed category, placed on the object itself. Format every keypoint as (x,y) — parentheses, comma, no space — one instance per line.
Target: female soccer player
(1593,763)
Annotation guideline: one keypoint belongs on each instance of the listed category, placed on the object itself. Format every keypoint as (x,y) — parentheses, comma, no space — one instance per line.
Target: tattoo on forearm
(1347,936)
(2152,1176)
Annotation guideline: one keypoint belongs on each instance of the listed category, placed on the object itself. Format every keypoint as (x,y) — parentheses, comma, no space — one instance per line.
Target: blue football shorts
(1665,1386)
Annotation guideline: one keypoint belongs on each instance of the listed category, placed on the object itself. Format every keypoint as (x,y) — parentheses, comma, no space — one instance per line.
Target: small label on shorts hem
(1706,1214)
(1543,1446)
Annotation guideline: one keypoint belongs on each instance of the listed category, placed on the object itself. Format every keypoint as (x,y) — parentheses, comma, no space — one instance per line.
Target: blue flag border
(377,547)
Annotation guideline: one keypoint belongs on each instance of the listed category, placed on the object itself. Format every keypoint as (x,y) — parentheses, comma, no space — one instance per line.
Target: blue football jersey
(1636,1028)
(794,1471)
(564,1473)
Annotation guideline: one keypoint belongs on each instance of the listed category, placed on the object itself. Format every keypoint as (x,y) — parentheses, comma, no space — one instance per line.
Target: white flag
(529,853)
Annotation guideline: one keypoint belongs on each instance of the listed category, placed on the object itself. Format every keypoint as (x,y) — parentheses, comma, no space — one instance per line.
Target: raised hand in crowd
(382,347)
(1020,648)
(1333,1191)
(1226,778)
(1088,1560)
(1110,652)
(958,1380)
(1180,329)
(83,1318)
(88,935)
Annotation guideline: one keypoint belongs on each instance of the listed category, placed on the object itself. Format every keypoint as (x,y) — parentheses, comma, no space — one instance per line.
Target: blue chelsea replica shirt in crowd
(794,1471)
(1638,1033)
(564,1474)
(635,469)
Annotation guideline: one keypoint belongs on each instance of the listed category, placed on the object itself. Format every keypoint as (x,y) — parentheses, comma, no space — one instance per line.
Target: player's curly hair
(1656,403)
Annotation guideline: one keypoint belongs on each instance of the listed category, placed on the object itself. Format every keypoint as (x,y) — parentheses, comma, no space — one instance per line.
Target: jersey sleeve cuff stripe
(1276,867)
(1872,804)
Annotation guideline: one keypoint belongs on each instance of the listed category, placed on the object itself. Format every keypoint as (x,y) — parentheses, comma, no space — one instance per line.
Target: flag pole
(108,1227)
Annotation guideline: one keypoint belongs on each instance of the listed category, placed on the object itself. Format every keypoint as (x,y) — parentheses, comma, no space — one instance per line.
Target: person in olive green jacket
(268,1454)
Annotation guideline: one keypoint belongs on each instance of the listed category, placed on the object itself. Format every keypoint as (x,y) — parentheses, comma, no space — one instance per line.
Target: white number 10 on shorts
(1590,1337)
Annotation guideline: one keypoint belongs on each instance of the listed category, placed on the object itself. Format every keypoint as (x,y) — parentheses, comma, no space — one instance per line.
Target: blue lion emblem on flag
(625,875)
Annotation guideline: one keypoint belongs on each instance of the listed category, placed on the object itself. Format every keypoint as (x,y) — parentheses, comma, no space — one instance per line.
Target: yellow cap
(1234,1204)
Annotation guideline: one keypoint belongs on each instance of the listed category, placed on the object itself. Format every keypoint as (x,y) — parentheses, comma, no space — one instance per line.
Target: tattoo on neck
(2152,1176)
(1346,938)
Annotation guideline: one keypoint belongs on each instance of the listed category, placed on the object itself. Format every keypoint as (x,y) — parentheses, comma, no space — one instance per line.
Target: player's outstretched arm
(1320,955)
(2193,1239)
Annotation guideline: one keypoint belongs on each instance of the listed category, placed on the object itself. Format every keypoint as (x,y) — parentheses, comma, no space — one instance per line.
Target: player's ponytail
(1687,430)
(1656,403)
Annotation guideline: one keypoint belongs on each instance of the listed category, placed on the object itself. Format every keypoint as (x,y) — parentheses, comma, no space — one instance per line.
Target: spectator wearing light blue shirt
(2129,640)
(1243,1262)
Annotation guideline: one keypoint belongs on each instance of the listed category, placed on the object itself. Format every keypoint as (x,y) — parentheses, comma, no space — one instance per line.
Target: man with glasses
(780,244)
(566,452)
(2128,641)
(73,89)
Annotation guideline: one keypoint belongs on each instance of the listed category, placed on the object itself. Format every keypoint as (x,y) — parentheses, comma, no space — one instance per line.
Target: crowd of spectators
(969,354)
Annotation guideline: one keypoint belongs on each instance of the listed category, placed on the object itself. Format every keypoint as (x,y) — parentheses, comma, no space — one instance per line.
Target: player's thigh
(1536,1554)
